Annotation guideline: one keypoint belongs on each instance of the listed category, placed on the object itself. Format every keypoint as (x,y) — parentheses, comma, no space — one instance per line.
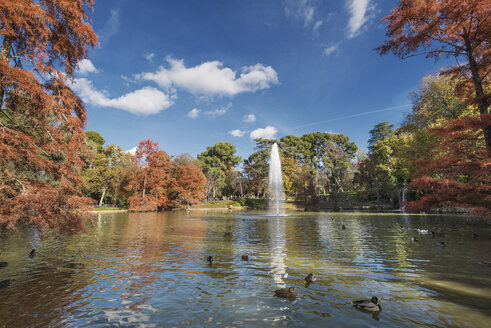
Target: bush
(257,203)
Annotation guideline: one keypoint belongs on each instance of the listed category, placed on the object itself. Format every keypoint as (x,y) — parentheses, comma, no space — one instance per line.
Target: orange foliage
(151,180)
(456,28)
(41,119)
(190,185)
(460,176)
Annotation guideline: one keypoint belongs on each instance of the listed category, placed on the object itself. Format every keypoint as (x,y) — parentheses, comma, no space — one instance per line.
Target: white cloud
(149,56)
(85,66)
(317,25)
(219,111)
(211,78)
(251,118)
(144,101)
(132,151)
(237,133)
(329,50)
(268,132)
(360,14)
(110,27)
(303,10)
(193,113)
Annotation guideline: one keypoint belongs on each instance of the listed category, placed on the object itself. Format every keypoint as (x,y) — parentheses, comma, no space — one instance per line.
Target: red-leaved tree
(41,119)
(459,174)
(190,185)
(455,28)
(151,180)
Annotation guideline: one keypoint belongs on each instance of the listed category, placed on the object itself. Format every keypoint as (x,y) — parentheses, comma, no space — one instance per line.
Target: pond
(151,270)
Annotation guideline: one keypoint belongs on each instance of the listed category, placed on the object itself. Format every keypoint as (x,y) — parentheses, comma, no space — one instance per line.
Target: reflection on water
(151,270)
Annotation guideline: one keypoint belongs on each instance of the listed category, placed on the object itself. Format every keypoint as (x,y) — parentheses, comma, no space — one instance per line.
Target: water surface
(151,270)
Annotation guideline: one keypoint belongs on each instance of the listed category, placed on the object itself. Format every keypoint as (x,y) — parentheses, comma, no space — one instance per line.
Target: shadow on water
(152,269)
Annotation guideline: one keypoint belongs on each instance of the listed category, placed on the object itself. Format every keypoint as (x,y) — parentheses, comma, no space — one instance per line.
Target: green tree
(216,161)
(380,132)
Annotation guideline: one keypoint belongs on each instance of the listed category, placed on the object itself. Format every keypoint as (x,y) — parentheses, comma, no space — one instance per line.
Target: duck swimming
(415,239)
(371,305)
(3,264)
(286,292)
(31,254)
(422,231)
(210,259)
(310,278)
(245,258)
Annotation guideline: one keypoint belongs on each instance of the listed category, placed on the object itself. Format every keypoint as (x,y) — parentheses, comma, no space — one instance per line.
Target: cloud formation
(144,101)
(193,113)
(219,111)
(149,56)
(110,28)
(211,78)
(251,118)
(85,66)
(359,11)
(237,133)
(268,132)
(329,50)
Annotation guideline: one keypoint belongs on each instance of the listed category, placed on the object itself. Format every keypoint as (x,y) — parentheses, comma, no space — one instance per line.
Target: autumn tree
(456,28)
(41,118)
(190,185)
(151,181)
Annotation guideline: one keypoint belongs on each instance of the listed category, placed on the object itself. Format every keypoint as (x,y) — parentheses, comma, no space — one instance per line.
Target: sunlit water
(151,270)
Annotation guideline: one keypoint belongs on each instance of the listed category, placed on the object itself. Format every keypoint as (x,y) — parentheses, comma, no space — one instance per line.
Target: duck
(4,283)
(404,228)
(415,239)
(31,254)
(210,259)
(286,292)
(343,227)
(371,305)
(475,235)
(310,278)
(441,244)
(485,263)
(422,231)
(3,264)
(245,258)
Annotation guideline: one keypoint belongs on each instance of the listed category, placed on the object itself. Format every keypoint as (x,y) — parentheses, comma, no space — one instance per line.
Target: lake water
(151,270)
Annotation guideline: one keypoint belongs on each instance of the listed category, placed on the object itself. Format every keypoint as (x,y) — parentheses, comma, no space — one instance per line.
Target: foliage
(41,119)
(255,203)
(151,181)
(460,175)
(380,132)
(454,28)
(216,161)
(190,186)
(103,176)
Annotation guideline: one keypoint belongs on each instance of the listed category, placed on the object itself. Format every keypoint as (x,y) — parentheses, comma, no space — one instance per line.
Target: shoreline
(108,211)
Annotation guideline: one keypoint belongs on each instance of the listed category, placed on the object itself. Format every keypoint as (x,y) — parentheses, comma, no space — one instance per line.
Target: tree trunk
(102,197)
(482,102)
(144,185)
(4,55)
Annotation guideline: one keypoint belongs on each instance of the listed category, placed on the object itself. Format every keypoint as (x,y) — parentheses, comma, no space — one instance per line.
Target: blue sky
(189,74)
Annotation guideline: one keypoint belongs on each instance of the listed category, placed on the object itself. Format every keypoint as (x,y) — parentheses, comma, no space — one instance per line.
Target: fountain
(403,199)
(275,183)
